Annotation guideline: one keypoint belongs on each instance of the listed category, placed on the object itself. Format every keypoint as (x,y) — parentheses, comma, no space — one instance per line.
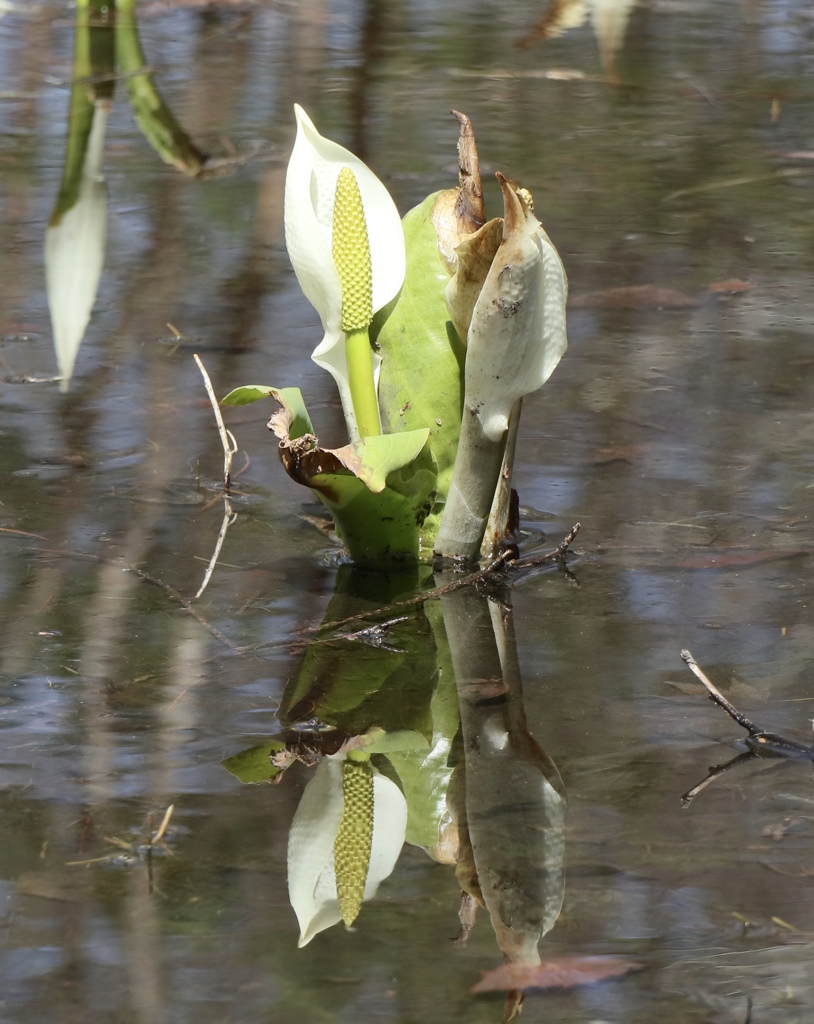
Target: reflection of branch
(495,571)
(228,518)
(759,742)
(715,772)
(230,447)
(168,589)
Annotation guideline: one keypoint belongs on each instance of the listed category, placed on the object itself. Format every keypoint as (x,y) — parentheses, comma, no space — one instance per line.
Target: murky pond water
(669,146)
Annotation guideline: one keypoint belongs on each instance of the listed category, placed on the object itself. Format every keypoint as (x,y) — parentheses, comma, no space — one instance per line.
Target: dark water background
(682,439)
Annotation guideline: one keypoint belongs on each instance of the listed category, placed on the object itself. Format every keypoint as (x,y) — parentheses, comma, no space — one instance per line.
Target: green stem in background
(351,254)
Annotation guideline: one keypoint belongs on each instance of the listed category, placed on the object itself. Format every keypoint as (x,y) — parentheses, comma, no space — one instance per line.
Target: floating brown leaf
(637,296)
(564,972)
(733,286)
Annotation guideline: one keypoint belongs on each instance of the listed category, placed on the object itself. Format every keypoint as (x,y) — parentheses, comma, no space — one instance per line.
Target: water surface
(678,431)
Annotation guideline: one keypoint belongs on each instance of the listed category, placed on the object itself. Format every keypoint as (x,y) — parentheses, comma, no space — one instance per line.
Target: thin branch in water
(184,601)
(162,828)
(491,572)
(227,439)
(759,742)
(228,518)
(717,697)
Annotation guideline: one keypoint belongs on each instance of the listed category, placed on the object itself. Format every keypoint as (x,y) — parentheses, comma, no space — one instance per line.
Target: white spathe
(310,188)
(517,334)
(311,872)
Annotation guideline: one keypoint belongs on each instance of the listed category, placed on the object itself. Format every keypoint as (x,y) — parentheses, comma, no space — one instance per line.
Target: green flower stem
(474,481)
(350,247)
(360,379)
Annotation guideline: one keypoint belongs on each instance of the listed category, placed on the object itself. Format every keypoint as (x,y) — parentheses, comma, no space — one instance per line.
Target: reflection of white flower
(313,849)
(310,188)
(75,253)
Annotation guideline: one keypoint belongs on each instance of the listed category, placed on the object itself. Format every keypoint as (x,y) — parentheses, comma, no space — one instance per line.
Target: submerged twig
(493,571)
(759,742)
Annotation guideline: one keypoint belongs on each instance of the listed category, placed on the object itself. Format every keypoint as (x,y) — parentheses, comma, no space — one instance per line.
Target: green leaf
(383,527)
(290,398)
(378,489)
(355,686)
(425,772)
(253,765)
(421,379)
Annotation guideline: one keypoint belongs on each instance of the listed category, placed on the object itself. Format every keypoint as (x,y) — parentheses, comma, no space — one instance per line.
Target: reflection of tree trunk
(142,938)
(513,807)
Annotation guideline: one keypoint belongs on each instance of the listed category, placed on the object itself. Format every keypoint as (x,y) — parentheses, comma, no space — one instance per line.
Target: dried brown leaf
(732,286)
(564,972)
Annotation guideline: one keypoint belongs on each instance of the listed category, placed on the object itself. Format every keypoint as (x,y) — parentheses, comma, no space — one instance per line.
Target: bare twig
(718,698)
(491,572)
(162,828)
(759,742)
(227,439)
(559,554)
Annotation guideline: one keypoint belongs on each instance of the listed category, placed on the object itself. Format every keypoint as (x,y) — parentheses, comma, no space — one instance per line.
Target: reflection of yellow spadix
(353,841)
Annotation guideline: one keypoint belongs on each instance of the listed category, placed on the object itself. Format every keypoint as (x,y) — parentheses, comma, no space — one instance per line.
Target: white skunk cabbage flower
(515,337)
(75,253)
(517,333)
(310,199)
(345,839)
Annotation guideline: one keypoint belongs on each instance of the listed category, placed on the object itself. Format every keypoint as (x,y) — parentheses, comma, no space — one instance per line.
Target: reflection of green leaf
(378,741)
(253,765)
(355,686)
(425,773)
(421,381)
(154,117)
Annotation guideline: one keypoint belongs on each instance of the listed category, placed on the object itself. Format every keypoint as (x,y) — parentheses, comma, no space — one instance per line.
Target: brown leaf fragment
(637,296)
(732,286)
(618,453)
(564,972)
